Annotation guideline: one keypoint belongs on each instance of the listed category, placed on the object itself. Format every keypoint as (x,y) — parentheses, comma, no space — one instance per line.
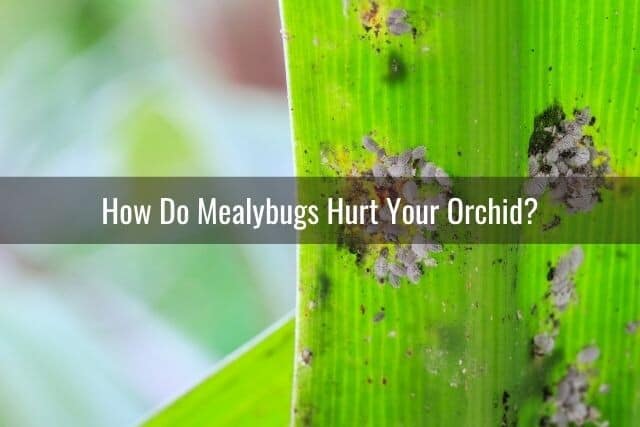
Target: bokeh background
(102,335)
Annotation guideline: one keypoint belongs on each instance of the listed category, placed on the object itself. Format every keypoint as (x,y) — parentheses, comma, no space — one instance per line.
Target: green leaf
(157,142)
(456,349)
(252,385)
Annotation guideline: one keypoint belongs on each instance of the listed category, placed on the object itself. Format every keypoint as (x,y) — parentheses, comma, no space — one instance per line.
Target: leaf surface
(252,386)
(467,84)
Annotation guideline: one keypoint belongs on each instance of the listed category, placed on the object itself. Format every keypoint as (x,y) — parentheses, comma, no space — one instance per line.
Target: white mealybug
(379,171)
(419,246)
(535,186)
(398,170)
(389,160)
(406,256)
(552,155)
(414,273)
(534,165)
(306,356)
(572,128)
(559,189)
(418,153)
(442,178)
(562,296)
(394,280)
(406,157)
(396,22)
(562,289)
(589,354)
(381,267)
(397,14)
(571,407)
(583,117)
(398,270)
(543,344)
(564,151)
(429,170)
(394,176)
(580,157)
(562,286)
(370,144)
(562,167)
(410,191)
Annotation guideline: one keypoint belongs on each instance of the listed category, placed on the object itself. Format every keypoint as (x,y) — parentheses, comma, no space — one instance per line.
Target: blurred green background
(102,335)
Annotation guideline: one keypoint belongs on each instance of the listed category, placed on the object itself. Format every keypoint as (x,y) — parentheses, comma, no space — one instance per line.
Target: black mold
(396,68)
(541,140)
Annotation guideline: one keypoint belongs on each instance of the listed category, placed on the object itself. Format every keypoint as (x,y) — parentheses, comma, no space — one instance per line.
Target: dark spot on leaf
(378,316)
(505,409)
(541,140)
(324,286)
(306,418)
(550,273)
(396,68)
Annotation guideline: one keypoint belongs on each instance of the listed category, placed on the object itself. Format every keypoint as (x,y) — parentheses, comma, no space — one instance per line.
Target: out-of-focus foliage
(150,132)
(81,23)
(95,335)
(252,387)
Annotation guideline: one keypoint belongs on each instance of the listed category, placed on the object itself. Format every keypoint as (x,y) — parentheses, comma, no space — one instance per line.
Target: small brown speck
(378,317)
